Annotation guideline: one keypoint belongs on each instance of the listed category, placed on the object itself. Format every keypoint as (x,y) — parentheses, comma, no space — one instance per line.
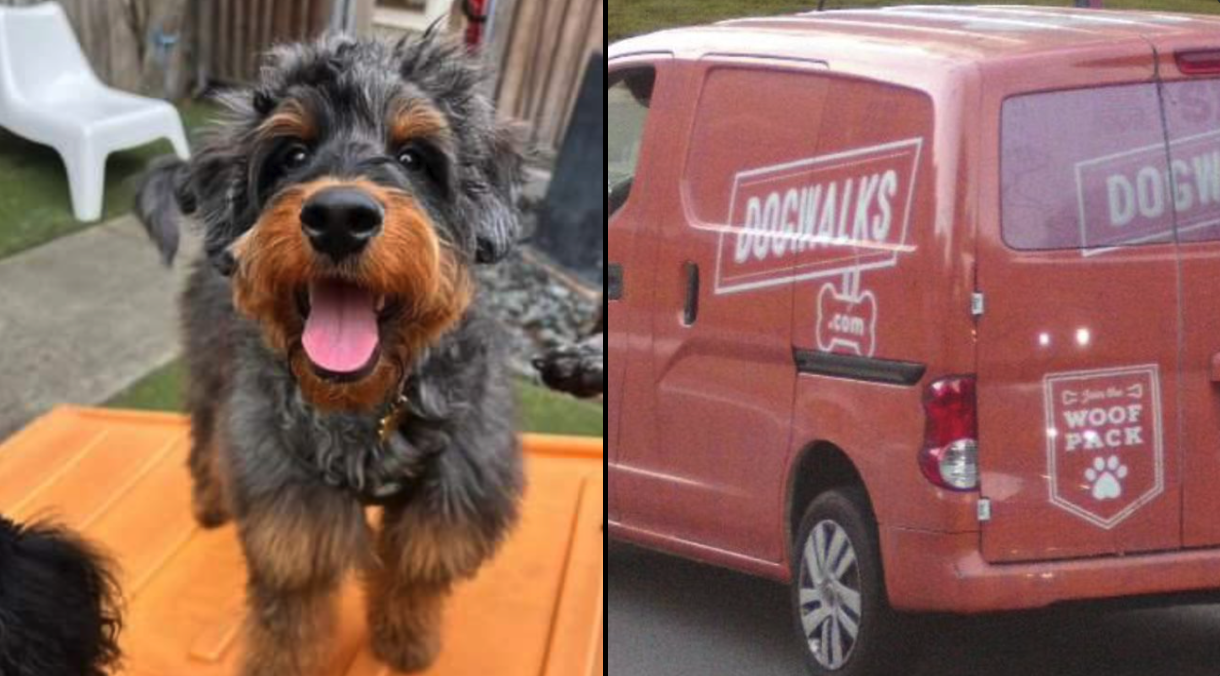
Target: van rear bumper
(938,572)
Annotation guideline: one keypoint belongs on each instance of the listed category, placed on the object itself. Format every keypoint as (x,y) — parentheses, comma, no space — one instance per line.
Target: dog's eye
(412,159)
(425,161)
(296,156)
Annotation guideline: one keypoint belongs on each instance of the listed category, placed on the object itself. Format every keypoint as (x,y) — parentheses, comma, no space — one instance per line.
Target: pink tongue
(341,331)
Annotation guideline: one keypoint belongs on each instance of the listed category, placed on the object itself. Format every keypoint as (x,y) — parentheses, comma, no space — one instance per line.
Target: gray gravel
(541,313)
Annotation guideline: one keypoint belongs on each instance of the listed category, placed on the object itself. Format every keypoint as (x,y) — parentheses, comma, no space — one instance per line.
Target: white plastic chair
(50,95)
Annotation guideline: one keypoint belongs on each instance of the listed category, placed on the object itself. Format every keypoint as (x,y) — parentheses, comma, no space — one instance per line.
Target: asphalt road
(669,617)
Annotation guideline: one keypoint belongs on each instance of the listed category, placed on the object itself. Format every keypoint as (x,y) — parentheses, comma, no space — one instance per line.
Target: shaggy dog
(59,612)
(338,351)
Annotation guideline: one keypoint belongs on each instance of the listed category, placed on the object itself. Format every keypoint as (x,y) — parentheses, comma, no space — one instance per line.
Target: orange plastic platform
(120,478)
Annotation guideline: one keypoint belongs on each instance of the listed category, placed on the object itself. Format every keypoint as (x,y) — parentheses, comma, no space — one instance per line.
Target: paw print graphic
(1105,478)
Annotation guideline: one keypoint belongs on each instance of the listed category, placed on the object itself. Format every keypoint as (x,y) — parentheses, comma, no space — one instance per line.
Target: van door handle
(1215,368)
(615,286)
(691,313)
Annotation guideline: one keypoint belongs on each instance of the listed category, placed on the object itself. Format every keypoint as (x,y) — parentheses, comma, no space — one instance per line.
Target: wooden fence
(542,48)
(233,33)
(137,45)
(162,47)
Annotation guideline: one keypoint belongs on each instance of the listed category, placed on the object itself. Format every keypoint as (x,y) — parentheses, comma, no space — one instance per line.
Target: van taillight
(950,457)
(1199,62)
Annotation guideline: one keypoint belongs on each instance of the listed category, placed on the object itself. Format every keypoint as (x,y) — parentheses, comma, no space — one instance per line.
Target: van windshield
(629,98)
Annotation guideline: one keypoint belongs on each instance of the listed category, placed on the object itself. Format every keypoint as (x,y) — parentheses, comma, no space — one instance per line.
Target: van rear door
(1192,114)
(1078,343)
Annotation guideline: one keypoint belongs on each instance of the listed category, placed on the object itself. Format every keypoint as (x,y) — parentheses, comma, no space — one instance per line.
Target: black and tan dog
(338,353)
(59,604)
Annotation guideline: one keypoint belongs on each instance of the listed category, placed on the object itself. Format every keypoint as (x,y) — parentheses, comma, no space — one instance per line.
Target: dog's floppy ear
(219,190)
(163,197)
(498,219)
(217,184)
(209,186)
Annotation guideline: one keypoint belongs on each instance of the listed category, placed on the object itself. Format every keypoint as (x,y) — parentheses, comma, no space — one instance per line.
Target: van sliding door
(723,372)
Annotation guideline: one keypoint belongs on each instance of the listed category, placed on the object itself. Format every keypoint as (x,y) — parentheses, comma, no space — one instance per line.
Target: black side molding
(614,288)
(858,368)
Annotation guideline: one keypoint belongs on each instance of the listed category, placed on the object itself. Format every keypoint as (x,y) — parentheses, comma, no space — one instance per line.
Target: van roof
(953,33)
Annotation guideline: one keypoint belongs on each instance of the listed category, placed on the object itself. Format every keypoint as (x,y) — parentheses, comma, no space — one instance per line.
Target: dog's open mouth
(342,336)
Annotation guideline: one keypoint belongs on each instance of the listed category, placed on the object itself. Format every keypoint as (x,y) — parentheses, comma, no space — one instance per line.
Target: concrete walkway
(82,318)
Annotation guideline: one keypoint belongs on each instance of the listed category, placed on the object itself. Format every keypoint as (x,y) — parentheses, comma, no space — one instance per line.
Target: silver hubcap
(830,595)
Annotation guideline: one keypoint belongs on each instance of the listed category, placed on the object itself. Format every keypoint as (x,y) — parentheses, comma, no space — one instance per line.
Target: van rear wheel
(843,620)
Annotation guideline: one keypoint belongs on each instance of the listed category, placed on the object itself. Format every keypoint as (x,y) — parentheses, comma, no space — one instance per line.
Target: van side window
(629,96)
(805,175)
(748,118)
(1085,169)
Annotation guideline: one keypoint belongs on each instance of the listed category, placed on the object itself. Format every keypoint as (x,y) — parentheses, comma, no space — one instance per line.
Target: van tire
(855,581)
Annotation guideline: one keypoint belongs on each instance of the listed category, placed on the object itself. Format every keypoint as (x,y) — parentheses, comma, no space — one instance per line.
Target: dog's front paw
(209,509)
(409,653)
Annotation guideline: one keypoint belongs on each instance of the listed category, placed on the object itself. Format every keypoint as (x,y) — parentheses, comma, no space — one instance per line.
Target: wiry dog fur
(59,612)
(294,456)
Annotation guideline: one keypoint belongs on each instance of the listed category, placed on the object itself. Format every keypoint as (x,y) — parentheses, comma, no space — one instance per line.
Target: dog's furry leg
(298,545)
(441,536)
(405,621)
(418,560)
(207,337)
(209,502)
(207,490)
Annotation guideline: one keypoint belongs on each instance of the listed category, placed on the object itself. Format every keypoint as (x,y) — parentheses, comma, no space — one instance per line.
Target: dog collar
(396,411)
(393,418)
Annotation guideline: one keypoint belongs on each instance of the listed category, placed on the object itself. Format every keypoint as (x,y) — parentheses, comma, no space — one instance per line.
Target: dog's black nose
(340,221)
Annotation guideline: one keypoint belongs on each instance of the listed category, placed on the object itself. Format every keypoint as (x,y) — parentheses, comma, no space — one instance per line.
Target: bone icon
(847,324)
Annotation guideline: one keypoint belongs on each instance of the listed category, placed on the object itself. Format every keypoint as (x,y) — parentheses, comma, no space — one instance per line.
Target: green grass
(37,208)
(542,410)
(633,17)
(548,412)
(160,390)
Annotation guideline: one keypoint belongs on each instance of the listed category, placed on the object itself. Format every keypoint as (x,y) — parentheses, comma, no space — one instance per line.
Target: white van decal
(1105,449)
(1130,198)
(847,322)
(818,218)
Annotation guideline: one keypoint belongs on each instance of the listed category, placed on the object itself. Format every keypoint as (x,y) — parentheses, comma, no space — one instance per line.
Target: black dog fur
(59,604)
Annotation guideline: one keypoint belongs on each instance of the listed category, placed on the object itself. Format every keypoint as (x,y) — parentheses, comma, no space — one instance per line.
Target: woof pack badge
(830,218)
(1104,442)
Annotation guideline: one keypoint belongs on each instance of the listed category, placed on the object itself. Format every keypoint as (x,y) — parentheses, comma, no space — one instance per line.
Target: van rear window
(1192,114)
(1085,169)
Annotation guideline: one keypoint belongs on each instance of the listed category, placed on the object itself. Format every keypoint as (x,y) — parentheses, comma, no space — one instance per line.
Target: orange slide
(120,479)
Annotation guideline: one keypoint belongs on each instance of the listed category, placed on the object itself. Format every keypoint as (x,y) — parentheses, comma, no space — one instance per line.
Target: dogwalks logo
(828,218)
(1104,446)
(1130,198)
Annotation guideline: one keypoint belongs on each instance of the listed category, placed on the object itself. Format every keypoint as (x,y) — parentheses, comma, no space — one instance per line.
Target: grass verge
(542,411)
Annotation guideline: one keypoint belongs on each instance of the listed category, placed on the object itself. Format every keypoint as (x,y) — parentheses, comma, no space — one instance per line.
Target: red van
(918,309)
